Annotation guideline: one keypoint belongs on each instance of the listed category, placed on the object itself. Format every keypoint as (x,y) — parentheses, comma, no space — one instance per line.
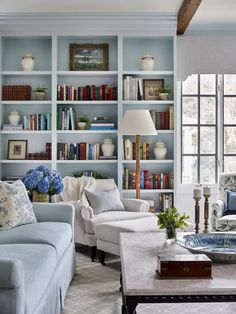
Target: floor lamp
(137,122)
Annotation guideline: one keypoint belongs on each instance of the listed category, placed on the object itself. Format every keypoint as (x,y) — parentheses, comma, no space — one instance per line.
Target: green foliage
(96,175)
(40,89)
(165,90)
(171,218)
(83,118)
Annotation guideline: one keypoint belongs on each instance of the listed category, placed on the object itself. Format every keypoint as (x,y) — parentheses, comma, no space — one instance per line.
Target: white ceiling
(210,12)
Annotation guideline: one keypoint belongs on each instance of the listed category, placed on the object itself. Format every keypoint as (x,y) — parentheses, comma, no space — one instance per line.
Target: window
(208,106)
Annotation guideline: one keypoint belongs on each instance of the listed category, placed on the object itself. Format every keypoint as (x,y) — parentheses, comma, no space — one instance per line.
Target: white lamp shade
(137,122)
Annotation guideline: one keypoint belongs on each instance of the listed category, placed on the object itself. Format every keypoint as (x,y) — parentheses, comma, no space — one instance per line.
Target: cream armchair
(86,220)
(221,219)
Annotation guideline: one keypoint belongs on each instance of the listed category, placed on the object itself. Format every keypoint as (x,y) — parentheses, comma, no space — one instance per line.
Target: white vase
(128,150)
(39,95)
(108,147)
(164,96)
(160,150)
(27,62)
(147,63)
(81,125)
(14,117)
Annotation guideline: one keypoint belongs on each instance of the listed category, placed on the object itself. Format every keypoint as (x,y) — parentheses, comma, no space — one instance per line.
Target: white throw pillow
(104,201)
(15,206)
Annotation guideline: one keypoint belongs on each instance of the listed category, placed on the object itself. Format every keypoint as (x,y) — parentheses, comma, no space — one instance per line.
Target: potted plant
(82,122)
(164,93)
(171,220)
(42,183)
(40,92)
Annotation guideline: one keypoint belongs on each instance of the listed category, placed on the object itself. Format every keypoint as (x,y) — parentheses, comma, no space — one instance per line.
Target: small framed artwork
(151,87)
(17,149)
(89,57)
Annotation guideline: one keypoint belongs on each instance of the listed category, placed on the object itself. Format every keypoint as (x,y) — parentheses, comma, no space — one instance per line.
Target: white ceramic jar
(27,62)
(108,147)
(128,149)
(14,117)
(160,150)
(147,63)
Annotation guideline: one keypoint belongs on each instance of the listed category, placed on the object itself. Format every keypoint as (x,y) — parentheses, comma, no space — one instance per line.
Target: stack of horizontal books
(9,127)
(102,123)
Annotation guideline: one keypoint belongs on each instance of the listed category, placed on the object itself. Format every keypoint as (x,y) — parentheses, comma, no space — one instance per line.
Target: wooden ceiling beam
(186,13)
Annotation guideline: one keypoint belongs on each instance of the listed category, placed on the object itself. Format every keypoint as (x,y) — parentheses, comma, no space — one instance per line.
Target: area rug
(95,290)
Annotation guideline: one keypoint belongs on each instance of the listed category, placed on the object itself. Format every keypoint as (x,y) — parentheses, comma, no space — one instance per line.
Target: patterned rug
(95,290)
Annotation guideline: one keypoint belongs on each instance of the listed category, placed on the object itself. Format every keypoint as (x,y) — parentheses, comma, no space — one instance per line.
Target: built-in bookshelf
(92,94)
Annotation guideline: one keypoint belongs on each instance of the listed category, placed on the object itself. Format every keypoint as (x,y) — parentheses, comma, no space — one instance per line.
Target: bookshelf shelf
(87,102)
(87,73)
(87,132)
(87,161)
(6,161)
(26,102)
(149,161)
(26,132)
(149,73)
(26,73)
(149,191)
(148,102)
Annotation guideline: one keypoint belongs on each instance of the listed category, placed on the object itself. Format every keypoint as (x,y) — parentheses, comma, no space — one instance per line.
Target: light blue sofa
(37,262)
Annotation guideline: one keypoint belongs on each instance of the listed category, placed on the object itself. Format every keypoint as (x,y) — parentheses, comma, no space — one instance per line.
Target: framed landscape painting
(89,57)
(151,87)
(17,149)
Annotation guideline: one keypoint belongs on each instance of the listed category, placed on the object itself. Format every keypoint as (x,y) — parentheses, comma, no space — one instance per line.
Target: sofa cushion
(226,223)
(15,206)
(39,262)
(113,216)
(231,203)
(104,200)
(56,234)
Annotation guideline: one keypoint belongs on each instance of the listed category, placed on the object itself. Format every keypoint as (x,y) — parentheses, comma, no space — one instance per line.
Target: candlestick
(197,213)
(197,193)
(206,214)
(206,191)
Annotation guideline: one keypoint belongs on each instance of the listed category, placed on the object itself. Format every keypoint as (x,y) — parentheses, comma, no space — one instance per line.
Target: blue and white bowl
(219,247)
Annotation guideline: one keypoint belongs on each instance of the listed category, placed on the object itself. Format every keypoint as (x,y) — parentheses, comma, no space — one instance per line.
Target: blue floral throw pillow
(15,206)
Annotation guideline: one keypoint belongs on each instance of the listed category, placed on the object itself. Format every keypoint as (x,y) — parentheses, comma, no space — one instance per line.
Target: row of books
(16,92)
(166,200)
(102,123)
(148,180)
(88,92)
(132,88)
(37,121)
(46,155)
(66,118)
(163,120)
(80,151)
(129,150)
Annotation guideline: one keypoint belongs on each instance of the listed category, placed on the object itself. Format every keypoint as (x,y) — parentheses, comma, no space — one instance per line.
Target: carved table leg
(102,257)
(93,252)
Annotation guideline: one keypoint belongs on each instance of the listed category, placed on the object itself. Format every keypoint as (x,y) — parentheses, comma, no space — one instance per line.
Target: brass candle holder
(197,213)
(206,213)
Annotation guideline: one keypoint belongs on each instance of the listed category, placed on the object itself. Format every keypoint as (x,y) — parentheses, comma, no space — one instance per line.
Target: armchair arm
(135,205)
(11,273)
(217,212)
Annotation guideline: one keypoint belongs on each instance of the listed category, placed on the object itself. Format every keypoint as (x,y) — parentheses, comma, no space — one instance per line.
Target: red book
(103,92)
(110,93)
(167,120)
(82,150)
(162,120)
(84,93)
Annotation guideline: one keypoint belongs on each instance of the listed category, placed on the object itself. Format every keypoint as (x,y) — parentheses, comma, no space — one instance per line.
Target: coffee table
(139,284)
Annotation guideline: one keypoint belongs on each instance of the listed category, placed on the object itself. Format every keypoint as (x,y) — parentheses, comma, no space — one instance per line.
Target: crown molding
(87,22)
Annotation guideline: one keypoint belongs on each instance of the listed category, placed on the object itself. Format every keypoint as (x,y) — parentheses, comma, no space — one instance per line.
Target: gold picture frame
(150,88)
(89,57)
(17,149)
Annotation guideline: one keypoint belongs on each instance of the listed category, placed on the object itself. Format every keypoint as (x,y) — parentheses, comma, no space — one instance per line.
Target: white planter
(81,125)
(27,62)
(108,147)
(39,95)
(14,117)
(164,96)
(147,63)
(160,150)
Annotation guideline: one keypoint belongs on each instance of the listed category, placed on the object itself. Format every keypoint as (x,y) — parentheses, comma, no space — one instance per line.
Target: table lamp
(137,122)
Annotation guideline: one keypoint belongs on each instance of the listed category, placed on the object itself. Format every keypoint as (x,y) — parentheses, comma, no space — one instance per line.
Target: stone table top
(139,252)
